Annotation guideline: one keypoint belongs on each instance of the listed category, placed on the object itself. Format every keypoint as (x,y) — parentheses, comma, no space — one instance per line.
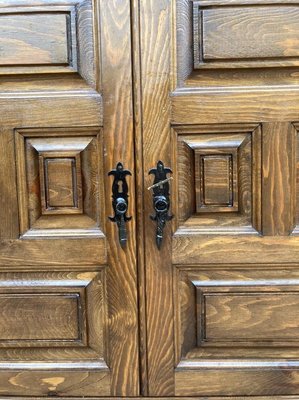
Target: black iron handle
(120,201)
(161,199)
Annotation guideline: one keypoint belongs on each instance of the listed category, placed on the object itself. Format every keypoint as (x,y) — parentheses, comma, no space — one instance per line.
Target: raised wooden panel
(53,333)
(245,35)
(60,181)
(43,38)
(216,177)
(61,184)
(225,314)
(41,316)
(228,321)
(218,174)
(25,39)
(56,310)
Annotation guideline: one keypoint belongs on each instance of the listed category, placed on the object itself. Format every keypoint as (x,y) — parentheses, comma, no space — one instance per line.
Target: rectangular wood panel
(44,380)
(41,316)
(233,380)
(245,35)
(278,193)
(233,323)
(26,40)
(243,316)
(251,32)
(216,177)
(61,182)
(217,181)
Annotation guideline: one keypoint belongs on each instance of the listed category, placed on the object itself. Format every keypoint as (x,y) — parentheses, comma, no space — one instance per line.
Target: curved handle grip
(161,199)
(120,201)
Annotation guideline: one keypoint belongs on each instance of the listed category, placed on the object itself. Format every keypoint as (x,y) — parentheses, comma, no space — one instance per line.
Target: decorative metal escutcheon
(120,201)
(161,199)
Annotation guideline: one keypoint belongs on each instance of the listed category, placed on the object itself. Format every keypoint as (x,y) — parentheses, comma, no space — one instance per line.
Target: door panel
(67,290)
(220,96)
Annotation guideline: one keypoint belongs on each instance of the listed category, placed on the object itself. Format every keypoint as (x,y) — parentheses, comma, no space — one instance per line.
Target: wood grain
(181,397)
(278,193)
(155,19)
(57,383)
(242,142)
(236,382)
(25,39)
(116,86)
(235,104)
(139,193)
(57,320)
(247,34)
(193,248)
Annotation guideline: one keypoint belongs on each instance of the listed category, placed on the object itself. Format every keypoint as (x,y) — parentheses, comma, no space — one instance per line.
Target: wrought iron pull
(161,199)
(120,201)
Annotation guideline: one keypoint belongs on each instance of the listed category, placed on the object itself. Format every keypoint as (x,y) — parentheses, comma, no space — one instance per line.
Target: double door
(191,287)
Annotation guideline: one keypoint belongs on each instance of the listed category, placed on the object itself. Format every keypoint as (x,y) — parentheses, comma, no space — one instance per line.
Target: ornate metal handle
(161,199)
(120,201)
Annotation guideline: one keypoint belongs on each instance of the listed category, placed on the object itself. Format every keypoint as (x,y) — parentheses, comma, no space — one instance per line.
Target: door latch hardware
(161,199)
(120,201)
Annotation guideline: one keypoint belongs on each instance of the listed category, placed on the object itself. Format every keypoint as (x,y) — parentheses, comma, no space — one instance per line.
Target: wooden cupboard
(190,289)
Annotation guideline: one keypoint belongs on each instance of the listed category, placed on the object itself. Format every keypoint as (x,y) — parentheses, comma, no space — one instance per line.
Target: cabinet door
(221,108)
(68,323)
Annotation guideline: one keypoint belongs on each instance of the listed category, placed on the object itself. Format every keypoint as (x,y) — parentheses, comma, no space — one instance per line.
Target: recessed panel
(25,39)
(242,317)
(218,175)
(245,35)
(52,333)
(54,310)
(43,316)
(60,181)
(233,322)
(48,37)
(216,180)
(61,184)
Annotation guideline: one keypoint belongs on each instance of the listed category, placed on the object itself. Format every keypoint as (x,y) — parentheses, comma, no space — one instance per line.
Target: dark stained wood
(115,81)
(58,320)
(69,305)
(139,193)
(25,39)
(181,397)
(117,90)
(235,105)
(263,311)
(38,381)
(155,63)
(244,148)
(278,214)
(234,325)
(231,37)
(197,380)
(191,247)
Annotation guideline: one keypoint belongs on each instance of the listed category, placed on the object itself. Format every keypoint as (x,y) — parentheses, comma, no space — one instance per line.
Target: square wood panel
(218,175)
(60,181)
